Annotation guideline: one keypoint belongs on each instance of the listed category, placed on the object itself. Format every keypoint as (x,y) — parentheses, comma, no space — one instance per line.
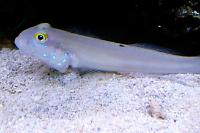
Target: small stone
(155,109)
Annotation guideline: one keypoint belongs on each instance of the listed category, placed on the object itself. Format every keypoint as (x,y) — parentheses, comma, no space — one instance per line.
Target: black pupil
(40,37)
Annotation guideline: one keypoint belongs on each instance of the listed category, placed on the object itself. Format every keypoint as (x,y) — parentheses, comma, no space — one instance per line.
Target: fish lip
(20,45)
(17,41)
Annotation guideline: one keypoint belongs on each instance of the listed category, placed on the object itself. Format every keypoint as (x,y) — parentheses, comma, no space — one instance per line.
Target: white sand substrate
(36,99)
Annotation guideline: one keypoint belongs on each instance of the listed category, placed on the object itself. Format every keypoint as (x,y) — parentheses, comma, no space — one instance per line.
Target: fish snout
(19,42)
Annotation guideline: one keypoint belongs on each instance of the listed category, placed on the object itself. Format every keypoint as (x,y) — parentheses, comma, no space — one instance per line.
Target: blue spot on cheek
(64,60)
(54,57)
(43,45)
(44,55)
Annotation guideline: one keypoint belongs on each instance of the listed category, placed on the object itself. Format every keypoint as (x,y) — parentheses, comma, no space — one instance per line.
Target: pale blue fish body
(61,49)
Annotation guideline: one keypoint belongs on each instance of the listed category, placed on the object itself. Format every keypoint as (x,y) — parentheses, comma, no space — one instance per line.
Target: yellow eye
(41,37)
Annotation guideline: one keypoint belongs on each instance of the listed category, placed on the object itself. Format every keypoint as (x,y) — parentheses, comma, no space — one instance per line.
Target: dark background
(173,24)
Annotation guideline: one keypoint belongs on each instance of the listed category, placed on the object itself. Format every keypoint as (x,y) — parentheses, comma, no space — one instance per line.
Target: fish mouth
(17,42)
(20,43)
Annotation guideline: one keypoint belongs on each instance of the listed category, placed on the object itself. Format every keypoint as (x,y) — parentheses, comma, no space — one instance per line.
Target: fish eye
(41,37)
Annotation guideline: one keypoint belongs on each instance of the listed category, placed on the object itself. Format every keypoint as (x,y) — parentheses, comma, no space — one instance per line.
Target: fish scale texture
(34,98)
